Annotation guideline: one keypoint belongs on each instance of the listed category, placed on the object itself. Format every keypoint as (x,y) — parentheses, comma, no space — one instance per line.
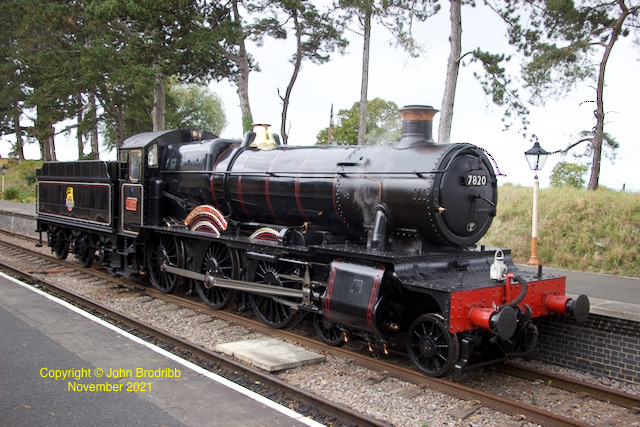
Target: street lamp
(536,156)
(4,171)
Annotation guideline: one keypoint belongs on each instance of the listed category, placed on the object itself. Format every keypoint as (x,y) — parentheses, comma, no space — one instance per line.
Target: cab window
(135,159)
(152,156)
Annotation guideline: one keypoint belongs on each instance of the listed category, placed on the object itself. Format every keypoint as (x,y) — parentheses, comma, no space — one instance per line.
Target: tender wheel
(270,311)
(59,243)
(219,261)
(432,349)
(170,250)
(329,332)
(84,251)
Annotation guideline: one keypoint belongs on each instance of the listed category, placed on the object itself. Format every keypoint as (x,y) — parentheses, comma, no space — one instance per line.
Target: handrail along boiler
(376,243)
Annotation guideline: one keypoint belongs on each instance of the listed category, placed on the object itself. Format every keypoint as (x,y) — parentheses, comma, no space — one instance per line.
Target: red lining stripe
(374,297)
(267,196)
(244,208)
(335,205)
(297,187)
(332,280)
(213,174)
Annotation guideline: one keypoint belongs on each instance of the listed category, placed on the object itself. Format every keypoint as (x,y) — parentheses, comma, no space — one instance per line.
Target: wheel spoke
(59,243)
(166,249)
(84,251)
(329,332)
(218,262)
(432,349)
(270,311)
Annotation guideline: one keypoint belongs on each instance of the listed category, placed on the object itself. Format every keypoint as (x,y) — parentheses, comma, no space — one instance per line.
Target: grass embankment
(595,231)
(20,180)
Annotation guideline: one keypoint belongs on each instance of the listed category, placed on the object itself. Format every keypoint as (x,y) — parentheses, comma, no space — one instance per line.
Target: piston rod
(254,288)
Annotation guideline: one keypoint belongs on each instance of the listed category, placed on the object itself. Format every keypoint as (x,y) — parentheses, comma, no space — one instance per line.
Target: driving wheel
(169,250)
(219,261)
(273,310)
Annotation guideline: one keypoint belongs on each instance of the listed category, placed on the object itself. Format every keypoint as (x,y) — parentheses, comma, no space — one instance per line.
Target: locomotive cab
(142,187)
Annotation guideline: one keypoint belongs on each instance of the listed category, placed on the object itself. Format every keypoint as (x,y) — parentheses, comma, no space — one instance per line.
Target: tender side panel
(538,291)
(89,202)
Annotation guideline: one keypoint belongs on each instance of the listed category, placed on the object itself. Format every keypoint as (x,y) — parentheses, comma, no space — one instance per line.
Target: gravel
(379,396)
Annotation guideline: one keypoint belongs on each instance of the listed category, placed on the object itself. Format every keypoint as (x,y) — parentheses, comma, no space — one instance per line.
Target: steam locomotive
(376,243)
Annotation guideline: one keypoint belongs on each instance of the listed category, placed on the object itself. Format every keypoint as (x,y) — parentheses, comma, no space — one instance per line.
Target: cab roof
(165,137)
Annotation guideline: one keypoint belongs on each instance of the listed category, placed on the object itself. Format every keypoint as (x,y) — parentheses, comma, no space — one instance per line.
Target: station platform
(62,366)
(18,217)
(610,296)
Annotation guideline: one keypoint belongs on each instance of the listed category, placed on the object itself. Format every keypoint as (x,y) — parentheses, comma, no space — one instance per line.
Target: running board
(254,288)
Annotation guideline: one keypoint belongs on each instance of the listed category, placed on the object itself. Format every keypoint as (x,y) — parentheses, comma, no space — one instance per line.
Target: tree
(564,44)
(453,67)
(317,34)
(492,77)
(194,107)
(398,17)
(236,52)
(12,90)
(43,53)
(168,37)
(569,174)
(384,125)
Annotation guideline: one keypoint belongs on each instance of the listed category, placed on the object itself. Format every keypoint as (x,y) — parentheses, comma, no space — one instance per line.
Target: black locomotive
(375,242)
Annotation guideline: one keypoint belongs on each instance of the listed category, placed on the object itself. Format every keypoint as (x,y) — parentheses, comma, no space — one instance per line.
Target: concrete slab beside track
(270,354)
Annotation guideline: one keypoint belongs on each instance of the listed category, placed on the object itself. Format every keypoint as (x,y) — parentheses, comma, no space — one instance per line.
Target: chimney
(417,126)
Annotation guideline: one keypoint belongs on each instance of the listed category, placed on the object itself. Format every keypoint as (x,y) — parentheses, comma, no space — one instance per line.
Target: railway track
(558,381)
(324,410)
(529,412)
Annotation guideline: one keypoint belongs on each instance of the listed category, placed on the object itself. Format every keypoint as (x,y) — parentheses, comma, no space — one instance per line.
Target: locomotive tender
(377,243)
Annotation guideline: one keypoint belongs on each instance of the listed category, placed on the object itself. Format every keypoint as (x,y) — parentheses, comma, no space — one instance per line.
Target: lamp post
(4,171)
(536,156)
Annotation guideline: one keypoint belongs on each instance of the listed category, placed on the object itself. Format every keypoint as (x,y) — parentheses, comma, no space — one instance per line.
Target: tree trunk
(599,113)
(95,147)
(119,118)
(453,66)
(44,131)
(296,70)
(243,76)
(157,113)
(47,145)
(80,141)
(18,149)
(362,124)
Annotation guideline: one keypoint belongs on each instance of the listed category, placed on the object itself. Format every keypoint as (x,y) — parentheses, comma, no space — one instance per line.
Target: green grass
(595,231)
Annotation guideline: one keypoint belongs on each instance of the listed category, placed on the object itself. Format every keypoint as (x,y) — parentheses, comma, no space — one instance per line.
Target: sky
(394,76)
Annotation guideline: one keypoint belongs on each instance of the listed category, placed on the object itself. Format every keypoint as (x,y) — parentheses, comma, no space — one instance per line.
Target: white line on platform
(217,378)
